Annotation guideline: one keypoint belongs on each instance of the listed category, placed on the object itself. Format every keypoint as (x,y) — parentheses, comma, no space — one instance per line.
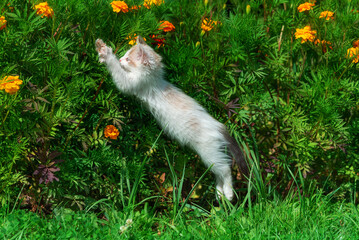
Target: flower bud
(248,9)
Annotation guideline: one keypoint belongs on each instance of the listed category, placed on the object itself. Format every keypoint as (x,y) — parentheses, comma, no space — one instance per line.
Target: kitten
(140,72)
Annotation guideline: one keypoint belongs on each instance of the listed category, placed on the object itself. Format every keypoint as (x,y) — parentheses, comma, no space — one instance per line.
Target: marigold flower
(158,41)
(2,22)
(166,26)
(111,132)
(208,24)
(356,43)
(305,6)
(10,84)
(133,8)
(324,44)
(133,39)
(119,6)
(305,34)
(148,3)
(353,53)
(10,8)
(327,15)
(44,10)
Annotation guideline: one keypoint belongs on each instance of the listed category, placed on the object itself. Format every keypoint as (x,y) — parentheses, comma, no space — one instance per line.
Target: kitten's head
(141,58)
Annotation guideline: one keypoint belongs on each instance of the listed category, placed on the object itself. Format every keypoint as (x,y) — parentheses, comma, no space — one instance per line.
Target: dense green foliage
(293,106)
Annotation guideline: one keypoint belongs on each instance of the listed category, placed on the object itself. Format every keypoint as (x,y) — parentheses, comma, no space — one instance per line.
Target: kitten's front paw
(103,50)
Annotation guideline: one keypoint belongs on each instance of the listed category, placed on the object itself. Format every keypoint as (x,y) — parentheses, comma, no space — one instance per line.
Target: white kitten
(140,72)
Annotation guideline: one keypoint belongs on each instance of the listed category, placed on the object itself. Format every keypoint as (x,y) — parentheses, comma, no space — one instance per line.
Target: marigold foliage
(44,10)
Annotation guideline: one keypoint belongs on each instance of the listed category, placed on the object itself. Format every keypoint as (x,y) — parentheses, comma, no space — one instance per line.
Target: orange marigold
(133,8)
(119,6)
(111,132)
(10,84)
(327,15)
(208,24)
(353,53)
(305,34)
(305,6)
(324,44)
(166,26)
(356,43)
(44,10)
(148,3)
(2,22)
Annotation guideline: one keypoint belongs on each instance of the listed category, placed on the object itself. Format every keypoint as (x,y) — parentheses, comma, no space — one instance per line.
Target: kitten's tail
(237,154)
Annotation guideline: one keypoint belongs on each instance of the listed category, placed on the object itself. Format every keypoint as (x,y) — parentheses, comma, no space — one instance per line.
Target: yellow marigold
(208,24)
(44,10)
(2,22)
(10,84)
(327,15)
(353,53)
(166,26)
(111,132)
(148,3)
(305,34)
(305,6)
(132,39)
(119,6)
(356,43)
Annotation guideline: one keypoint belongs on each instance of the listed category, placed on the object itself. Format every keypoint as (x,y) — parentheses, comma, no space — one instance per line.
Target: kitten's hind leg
(212,155)
(224,181)
(103,50)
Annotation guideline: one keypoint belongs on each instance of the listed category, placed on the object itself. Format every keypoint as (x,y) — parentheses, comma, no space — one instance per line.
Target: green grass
(272,220)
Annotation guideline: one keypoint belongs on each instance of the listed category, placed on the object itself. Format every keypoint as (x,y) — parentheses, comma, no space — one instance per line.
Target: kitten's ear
(140,40)
(148,57)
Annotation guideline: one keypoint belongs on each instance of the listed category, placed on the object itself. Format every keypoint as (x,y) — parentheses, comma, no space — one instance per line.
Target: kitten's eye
(127,59)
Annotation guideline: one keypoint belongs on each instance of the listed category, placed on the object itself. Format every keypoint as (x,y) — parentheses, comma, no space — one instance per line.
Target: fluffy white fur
(140,72)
